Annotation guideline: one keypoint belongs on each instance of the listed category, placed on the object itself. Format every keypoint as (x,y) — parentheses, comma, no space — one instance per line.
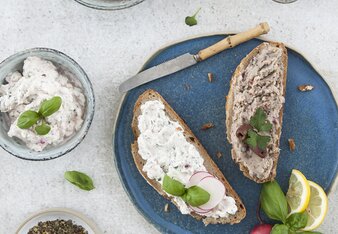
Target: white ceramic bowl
(109,4)
(74,71)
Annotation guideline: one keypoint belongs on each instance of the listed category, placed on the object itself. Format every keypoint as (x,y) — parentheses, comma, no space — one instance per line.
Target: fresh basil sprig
(27,119)
(173,187)
(297,221)
(274,204)
(42,129)
(79,179)
(280,229)
(273,201)
(191,20)
(48,107)
(194,196)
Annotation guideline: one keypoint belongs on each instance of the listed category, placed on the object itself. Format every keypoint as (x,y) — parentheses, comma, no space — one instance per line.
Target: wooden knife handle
(232,41)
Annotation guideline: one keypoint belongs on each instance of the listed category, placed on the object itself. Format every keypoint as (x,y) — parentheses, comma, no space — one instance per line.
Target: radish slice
(197,177)
(199,210)
(216,190)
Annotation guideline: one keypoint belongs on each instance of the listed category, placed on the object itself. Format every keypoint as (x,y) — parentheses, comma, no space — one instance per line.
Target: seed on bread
(305,87)
(207,126)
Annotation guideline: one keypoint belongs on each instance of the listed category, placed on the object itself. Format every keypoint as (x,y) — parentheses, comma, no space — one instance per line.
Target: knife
(187,60)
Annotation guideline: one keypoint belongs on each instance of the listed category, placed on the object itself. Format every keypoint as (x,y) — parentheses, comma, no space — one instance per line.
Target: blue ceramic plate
(311,118)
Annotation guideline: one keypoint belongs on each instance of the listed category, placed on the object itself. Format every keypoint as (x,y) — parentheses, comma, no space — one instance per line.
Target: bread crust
(229,104)
(190,137)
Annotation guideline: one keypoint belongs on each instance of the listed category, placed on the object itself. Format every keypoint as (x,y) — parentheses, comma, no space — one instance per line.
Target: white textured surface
(111,46)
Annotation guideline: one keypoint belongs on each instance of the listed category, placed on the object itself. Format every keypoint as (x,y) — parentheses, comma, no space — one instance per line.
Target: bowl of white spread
(30,78)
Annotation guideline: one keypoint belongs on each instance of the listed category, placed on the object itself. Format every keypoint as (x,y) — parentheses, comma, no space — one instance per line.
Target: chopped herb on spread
(252,134)
(260,122)
(254,140)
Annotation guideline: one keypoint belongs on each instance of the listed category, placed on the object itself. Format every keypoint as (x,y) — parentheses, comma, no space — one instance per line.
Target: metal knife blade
(156,72)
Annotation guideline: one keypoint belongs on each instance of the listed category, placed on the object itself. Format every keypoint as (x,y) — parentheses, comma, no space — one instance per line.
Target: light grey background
(113,45)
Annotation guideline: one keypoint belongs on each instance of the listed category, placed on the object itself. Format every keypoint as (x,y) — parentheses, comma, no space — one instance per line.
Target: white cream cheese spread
(259,85)
(164,147)
(39,81)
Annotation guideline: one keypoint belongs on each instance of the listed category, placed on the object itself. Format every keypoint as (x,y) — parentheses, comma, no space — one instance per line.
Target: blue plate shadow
(311,118)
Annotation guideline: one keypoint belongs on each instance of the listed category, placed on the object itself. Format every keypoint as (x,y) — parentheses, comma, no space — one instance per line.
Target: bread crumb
(292,144)
(207,126)
(166,207)
(305,87)
(210,77)
(219,154)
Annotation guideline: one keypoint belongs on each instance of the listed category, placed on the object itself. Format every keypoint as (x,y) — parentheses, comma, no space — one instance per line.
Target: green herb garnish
(259,121)
(194,196)
(42,129)
(259,124)
(254,140)
(274,204)
(27,119)
(79,179)
(191,20)
(273,201)
(48,107)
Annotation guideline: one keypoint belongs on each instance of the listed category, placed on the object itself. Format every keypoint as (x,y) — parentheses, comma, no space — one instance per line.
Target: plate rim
(79,215)
(173,43)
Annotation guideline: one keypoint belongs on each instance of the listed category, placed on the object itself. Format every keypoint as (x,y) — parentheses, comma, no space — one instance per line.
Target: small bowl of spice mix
(58,221)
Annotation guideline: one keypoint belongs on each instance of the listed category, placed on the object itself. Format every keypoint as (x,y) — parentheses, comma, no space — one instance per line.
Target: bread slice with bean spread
(210,166)
(259,82)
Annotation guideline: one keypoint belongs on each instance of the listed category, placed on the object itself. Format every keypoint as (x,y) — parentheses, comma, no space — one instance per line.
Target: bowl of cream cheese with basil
(46,104)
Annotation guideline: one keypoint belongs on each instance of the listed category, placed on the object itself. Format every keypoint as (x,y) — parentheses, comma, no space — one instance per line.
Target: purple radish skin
(261,229)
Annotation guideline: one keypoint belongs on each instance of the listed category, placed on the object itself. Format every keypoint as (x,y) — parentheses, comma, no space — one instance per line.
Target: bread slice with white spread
(259,82)
(164,144)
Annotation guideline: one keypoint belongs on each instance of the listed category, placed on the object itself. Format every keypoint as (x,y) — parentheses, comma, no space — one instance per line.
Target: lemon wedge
(298,195)
(317,207)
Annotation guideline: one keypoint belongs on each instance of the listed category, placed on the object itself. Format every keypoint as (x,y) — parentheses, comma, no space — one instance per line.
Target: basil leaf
(191,20)
(42,129)
(27,119)
(173,187)
(273,201)
(49,107)
(196,196)
(280,229)
(80,180)
(297,221)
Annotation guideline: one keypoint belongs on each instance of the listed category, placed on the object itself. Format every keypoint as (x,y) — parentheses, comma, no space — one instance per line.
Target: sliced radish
(216,190)
(199,210)
(197,177)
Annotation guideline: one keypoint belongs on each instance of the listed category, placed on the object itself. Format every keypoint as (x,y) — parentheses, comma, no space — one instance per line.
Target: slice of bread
(258,81)
(190,137)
